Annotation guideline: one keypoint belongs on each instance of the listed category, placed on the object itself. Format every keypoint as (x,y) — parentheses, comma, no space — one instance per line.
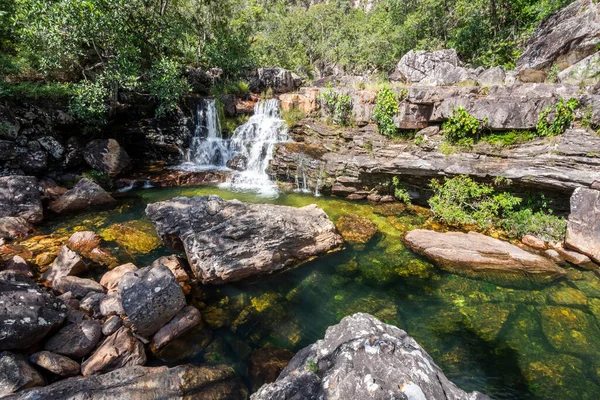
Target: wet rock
(55,363)
(68,263)
(218,382)
(20,197)
(479,255)
(266,364)
(356,229)
(566,296)
(110,280)
(84,242)
(111,325)
(91,304)
(79,287)
(19,265)
(278,79)
(14,227)
(363,358)
(564,38)
(16,374)
(150,297)
(583,229)
(238,163)
(106,156)
(570,330)
(119,350)
(85,195)
(231,240)
(133,236)
(111,305)
(188,346)
(27,313)
(182,322)
(76,340)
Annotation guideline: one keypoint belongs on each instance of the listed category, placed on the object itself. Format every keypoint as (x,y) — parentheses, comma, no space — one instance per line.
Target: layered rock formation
(230,240)
(363,358)
(583,231)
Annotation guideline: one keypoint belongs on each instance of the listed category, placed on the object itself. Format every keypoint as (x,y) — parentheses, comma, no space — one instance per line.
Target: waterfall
(208,149)
(255,141)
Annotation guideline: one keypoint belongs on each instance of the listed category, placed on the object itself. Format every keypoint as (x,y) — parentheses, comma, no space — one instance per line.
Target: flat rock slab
(583,229)
(230,240)
(478,255)
(363,358)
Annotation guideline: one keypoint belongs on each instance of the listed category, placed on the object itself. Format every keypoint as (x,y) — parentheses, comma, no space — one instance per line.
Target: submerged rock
(231,240)
(85,195)
(27,313)
(478,255)
(106,156)
(362,358)
(583,229)
(215,382)
(356,229)
(185,320)
(133,236)
(16,374)
(266,364)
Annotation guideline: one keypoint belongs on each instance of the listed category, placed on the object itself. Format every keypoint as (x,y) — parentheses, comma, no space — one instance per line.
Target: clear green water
(542,342)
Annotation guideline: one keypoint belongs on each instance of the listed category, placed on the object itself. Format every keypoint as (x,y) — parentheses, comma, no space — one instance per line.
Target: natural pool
(508,342)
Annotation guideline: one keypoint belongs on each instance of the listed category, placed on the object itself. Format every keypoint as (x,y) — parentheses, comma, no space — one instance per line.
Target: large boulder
(67,263)
(16,374)
(215,382)
(150,297)
(76,340)
(278,79)
(363,358)
(564,38)
(121,349)
(27,313)
(20,197)
(14,227)
(441,67)
(230,240)
(84,196)
(583,229)
(482,256)
(106,155)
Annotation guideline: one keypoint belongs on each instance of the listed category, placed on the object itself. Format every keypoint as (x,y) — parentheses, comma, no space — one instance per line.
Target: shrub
(385,108)
(100,177)
(167,85)
(462,128)
(563,115)
(509,138)
(293,116)
(90,103)
(553,74)
(337,106)
(542,224)
(400,192)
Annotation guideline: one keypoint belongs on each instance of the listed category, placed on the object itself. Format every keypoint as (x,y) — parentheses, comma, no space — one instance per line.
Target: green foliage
(555,121)
(587,120)
(552,76)
(419,139)
(311,366)
(385,108)
(400,192)
(35,91)
(336,106)
(542,224)
(101,178)
(90,103)
(166,85)
(462,128)
(509,138)
(293,116)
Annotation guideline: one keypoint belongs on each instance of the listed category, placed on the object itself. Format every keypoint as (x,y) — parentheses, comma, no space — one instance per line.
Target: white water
(255,140)
(208,149)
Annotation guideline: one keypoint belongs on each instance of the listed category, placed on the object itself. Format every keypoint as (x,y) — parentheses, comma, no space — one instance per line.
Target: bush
(385,108)
(400,193)
(542,224)
(167,85)
(562,115)
(90,103)
(462,128)
(337,106)
(293,116)
(509,138)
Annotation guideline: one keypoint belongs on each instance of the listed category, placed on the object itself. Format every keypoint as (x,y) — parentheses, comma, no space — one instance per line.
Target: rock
(477,255)
(564,38)
(266,364)
(441,67)
(74,153)
(111,325)
(20,197)
(19,265)
(55,363)
(575,258)
(52,146)
(119,350)
(16,374)
(583,229)
(84,242)
(238,163)
(175,265)
(278,79)
(14,227)
(33,160)
(68,263)
(51,189)
(91,303)
(150,297)
(534,242)
(215,382)
(27,314)
(362,358)
(356,229)
(554,256)
(106,155)
(231,240)
(182,322)
(79,287)
(133,236)
(111,305)
(492,76)
(110,280)
(76,340)
(85,195)
(586,71)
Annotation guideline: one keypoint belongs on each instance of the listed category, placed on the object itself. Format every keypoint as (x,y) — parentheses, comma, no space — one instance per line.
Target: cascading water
(255,141)
(208,149)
